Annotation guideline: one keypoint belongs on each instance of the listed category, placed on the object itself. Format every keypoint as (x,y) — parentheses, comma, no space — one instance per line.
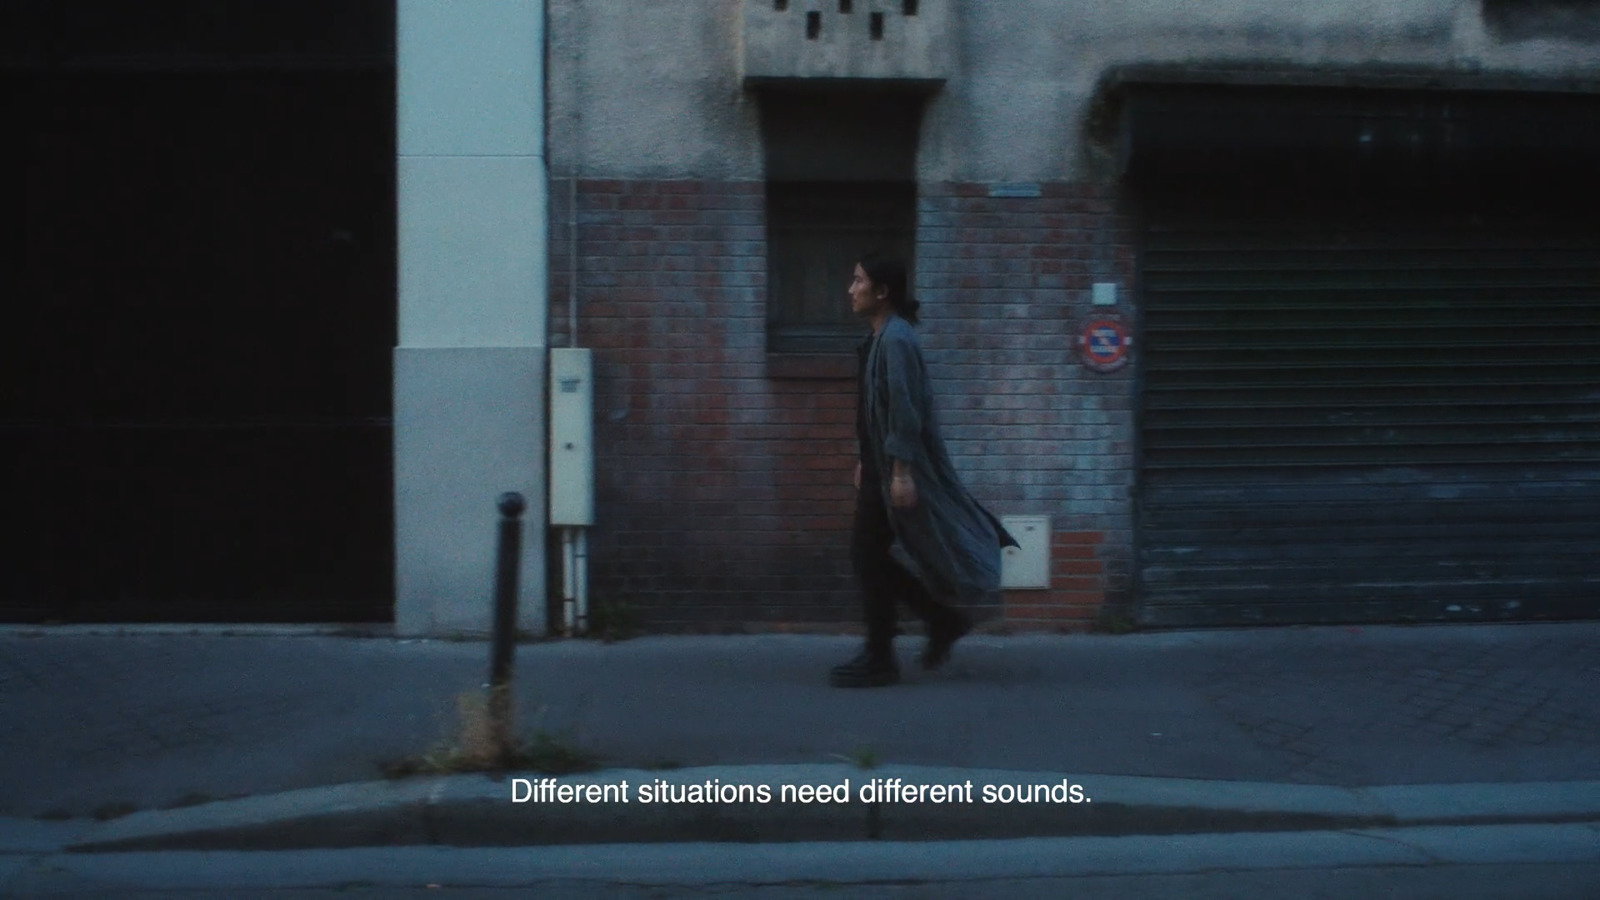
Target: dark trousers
(883,581)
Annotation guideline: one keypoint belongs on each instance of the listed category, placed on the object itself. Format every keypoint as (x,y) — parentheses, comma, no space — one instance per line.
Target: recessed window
(909,7)
(780,5)
(813,25)
(841,180)
(816,232)
(875,26)
(846,7)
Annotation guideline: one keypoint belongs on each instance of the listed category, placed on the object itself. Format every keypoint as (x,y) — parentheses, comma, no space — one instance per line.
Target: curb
(477,810)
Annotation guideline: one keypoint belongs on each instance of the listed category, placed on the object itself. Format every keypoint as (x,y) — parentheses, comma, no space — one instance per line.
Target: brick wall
(724,495)
(1078,586)
(1006,284)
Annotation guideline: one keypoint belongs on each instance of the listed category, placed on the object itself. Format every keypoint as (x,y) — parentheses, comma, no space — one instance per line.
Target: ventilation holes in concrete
(846,7)
(813,25)
(875,26)
(909,7)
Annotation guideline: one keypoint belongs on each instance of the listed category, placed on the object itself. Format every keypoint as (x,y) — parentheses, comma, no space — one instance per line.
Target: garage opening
(1370,388)
(196,399)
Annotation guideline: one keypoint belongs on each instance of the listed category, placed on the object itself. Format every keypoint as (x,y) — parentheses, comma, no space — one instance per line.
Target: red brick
(720,463)
(1079,598)
(685,187)
(1046,611)
(1034,611)
(1078,537)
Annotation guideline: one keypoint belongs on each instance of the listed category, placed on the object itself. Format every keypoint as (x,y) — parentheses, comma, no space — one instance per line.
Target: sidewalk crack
(1428,856)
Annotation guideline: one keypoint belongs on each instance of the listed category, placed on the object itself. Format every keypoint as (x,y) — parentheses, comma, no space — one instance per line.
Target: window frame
(808,311)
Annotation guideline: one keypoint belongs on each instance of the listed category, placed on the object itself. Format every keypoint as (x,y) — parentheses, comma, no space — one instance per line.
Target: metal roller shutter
(1369,418)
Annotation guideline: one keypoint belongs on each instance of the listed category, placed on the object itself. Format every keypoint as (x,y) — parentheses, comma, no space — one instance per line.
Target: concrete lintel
(1382,77)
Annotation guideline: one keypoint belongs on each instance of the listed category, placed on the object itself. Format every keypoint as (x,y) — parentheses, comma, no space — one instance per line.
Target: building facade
(1249,312)
(1340,314)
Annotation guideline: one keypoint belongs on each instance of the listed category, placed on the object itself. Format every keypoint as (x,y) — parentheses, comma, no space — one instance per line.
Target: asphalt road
(1528,862)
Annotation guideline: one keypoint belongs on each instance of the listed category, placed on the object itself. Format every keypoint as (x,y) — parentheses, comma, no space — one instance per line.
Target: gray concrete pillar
(469,408)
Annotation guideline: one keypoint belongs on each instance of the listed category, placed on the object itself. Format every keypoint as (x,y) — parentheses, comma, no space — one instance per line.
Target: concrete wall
(470,369)
(652,89)
(874,39)
(649,90)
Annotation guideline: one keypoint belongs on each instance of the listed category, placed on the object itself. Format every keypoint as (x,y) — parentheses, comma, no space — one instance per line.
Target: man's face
(866,300)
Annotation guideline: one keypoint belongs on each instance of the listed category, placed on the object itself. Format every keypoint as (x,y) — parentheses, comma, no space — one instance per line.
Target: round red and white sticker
(1103,344)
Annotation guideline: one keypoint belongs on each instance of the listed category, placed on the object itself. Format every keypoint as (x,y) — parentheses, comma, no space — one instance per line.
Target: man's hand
(858,475)
(902,490)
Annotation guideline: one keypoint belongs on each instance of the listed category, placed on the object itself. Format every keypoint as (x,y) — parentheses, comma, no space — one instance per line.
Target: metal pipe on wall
(581,589)
(572,258)
(568,601)
(575,432)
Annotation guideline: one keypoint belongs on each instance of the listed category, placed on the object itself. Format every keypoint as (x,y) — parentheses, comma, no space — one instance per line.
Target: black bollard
(507,559)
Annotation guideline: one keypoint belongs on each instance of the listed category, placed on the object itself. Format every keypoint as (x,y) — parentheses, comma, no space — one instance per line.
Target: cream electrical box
(571,436)
(1027,566)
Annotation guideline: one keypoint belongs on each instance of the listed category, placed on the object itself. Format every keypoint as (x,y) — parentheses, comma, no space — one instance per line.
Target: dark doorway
(196,403)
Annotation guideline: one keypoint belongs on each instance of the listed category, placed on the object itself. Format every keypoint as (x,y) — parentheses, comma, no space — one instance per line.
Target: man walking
(919,536)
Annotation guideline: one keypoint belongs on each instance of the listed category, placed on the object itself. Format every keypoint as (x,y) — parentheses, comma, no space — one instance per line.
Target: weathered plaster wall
(643,90)
(652,89)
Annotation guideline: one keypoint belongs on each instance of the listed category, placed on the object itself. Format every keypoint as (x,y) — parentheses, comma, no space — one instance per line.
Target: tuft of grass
(863,757)
(552,755)
(542,752)
(613,620)
(476,749)
(1108,622)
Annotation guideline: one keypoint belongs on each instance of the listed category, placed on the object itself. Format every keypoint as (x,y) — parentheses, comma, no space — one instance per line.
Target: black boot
(869,669)
(943,632)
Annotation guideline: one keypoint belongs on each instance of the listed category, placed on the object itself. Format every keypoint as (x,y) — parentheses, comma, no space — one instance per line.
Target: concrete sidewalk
(148,719)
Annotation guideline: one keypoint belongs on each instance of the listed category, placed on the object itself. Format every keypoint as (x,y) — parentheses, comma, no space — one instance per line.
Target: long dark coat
(948,541)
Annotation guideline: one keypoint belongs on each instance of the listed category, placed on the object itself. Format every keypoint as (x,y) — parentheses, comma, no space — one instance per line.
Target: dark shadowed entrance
(196,386)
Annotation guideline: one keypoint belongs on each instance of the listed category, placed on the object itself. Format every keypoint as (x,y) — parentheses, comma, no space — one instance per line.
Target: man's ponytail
(889,273)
